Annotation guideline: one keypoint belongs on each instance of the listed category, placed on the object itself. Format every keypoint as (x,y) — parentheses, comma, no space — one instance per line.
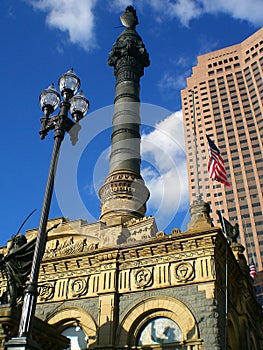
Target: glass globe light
(49,98)
(69,83)
(79,106)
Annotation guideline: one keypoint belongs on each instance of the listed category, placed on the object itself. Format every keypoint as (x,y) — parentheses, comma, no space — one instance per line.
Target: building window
(78,339)
(161,330)
(231,209)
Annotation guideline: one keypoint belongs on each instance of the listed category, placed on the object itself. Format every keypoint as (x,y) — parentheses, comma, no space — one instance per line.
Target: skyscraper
(223,99)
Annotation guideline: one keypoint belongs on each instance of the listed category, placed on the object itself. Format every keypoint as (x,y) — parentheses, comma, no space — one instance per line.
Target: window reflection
(78,339)
(161,330)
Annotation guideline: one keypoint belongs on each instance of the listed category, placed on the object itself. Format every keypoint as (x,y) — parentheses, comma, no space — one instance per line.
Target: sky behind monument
(43,39)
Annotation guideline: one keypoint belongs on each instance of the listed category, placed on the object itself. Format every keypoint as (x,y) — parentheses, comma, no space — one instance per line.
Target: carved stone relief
(68,247)
(183,271)
(143,277)
(79,287)
(46,291)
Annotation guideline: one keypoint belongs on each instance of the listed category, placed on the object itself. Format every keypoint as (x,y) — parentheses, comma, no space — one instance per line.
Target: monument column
(124,194)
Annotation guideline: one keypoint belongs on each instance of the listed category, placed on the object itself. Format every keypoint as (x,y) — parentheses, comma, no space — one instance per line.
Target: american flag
(216,167)
(252,269)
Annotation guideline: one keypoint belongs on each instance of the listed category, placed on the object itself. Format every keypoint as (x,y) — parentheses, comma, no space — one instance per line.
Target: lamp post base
(21,343)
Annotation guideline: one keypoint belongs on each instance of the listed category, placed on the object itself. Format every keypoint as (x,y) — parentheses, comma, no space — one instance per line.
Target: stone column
(124,194)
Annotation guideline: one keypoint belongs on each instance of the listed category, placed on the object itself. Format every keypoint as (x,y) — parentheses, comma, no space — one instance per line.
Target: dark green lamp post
(70,101)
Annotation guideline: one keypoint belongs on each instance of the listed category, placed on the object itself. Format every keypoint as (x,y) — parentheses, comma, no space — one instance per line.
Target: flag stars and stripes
(216,167)
(252,269)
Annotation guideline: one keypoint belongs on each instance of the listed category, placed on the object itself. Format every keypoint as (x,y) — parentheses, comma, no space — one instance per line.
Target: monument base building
(185,290)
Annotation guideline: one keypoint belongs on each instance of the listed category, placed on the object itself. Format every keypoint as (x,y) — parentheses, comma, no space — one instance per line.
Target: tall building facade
(224,100)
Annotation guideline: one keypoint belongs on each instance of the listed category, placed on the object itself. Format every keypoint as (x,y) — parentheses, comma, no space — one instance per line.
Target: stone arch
(140,314)
(68,316)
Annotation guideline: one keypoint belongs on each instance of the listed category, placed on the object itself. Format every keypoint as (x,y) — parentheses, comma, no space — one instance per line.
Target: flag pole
(254,256)
(222,221)
(226,286)
(244,225)
(197,178)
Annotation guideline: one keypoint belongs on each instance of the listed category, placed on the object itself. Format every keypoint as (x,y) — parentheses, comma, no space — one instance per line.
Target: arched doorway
(77,325)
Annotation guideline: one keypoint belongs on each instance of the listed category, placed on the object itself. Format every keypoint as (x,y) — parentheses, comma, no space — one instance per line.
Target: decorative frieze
(157,262)
(129,52)
(68,247)
(152,272)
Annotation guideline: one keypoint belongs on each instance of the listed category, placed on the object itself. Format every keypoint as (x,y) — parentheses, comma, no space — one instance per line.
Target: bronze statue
(16,265)
(129,18)
(231,232)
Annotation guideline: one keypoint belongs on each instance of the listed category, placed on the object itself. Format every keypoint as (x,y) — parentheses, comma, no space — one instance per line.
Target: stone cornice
(167,248)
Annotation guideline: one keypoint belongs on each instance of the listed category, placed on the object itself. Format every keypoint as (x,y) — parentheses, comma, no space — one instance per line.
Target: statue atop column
(129,18)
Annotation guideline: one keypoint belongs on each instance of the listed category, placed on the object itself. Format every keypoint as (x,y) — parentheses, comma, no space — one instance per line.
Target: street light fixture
(70,101)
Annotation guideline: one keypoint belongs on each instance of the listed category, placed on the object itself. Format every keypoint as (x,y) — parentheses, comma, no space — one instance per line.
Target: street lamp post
(77,105)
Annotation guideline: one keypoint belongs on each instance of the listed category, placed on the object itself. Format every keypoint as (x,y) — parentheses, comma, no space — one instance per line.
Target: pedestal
(21,343)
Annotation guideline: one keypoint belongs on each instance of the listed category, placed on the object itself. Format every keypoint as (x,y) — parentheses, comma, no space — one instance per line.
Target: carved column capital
(129,51)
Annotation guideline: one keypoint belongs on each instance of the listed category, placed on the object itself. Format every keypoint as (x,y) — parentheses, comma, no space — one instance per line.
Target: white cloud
(171,82)
(176,79)
(74,17)
(119,5)
(248,10)
(165,174)
(186,10)
(167,138)
(77,18)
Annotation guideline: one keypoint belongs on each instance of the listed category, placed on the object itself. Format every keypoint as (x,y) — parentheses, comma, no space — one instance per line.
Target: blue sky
(41,40)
